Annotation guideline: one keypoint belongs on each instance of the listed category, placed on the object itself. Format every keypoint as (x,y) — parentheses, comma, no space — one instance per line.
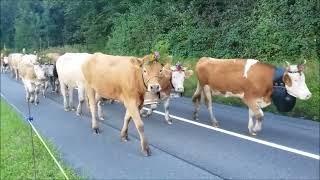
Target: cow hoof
(169,121)
(101,118)
(124,139)
(144,115)
(253,134)
(96,131)
(215,124)
(78,114)
(146,152)
(73,109)
(66,109)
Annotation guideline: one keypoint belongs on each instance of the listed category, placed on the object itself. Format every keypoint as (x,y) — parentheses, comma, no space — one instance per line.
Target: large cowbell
(282,100)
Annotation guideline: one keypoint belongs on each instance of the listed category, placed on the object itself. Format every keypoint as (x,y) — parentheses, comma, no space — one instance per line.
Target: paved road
(181,150)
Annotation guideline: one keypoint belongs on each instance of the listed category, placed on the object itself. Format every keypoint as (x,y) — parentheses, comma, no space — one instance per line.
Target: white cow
(70,76)
(32,76)
(14,60)
(30,58)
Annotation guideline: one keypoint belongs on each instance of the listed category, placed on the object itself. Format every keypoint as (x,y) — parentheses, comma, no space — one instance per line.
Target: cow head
(48,68)
(39,71)
(179,74)
(151,73)
(294,80)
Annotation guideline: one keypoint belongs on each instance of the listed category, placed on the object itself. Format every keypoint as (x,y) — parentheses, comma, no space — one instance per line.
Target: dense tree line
(186,28)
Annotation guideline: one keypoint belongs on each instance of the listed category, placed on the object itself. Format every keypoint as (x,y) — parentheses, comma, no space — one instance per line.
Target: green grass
(16,151)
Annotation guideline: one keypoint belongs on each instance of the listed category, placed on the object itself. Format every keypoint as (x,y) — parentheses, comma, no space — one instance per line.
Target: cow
(53,79)
(248,79)
(4,64)
(122,78)
(14,60)
(173,80)
(71,77)
(30,59)
(49,73)
(32,76)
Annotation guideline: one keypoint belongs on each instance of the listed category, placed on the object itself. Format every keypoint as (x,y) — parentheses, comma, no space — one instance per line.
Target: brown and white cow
(121,78)
(173,79)
(250,80)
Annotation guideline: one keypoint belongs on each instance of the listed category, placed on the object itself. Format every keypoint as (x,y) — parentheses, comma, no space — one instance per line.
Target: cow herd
(128,79)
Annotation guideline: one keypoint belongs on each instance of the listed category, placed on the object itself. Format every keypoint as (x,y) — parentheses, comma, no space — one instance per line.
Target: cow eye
(144,71)
(160,70)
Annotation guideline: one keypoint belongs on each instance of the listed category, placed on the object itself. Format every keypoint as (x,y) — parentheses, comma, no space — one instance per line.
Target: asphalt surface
(179,151)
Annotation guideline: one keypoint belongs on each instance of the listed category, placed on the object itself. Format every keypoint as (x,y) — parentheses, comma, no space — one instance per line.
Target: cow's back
(114,77)
(53,57)
(14,59)
(68,67)
(29,59)
(228,75)
(26,71)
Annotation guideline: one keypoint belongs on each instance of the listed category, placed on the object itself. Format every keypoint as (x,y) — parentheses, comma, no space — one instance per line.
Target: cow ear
(167,66)
(188,73)
(137,61)
(166,72)
(287,80)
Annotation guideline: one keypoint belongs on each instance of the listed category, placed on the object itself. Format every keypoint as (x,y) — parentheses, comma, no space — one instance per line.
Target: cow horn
(304,62)
(288,64)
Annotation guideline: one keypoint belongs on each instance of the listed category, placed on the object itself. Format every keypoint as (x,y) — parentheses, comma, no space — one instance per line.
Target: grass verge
(16,151)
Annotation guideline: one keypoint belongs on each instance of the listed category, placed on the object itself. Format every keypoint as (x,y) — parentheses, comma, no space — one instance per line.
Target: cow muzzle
(154,88)
(179,90)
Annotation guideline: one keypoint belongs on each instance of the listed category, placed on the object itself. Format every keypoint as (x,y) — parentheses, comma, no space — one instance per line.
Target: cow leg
(146,113)
(99,105)
(254,112)
(81,100)
(196,98)
(52,84)
(250,123)
(27,91)
(70,94)
(16,73)
(56,83)
(92,103)
(36,94)
(208,102)
(134,112)
(46,85)
(258,126)
(63,90)
(124,130)
(166,110)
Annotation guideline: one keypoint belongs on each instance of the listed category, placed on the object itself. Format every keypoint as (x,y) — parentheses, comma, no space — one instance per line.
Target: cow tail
(197,94)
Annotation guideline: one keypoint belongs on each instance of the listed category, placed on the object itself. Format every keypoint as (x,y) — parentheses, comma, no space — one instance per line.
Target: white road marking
(37,133)
(270,144)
